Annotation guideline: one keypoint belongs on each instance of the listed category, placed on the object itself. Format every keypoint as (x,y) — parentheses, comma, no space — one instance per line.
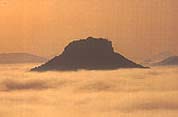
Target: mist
(123,92)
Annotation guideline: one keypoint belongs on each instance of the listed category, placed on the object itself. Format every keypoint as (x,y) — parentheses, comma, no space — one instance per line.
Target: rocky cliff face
(90,54)
(89,47)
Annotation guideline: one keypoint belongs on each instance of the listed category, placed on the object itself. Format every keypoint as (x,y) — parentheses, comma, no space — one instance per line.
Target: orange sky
(138,28)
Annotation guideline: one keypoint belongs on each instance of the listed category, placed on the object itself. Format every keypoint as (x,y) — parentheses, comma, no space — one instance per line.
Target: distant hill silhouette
(91,54)
(157,58)
(14,58)
(173,60)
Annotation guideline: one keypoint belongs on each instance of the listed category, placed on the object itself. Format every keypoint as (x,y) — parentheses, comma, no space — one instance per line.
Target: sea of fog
(117,93)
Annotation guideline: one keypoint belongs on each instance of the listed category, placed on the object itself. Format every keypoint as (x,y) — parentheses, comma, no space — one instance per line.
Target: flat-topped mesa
(91,54)
(89,47)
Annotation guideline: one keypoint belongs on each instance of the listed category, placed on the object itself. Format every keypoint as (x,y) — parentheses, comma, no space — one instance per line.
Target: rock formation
(90,54)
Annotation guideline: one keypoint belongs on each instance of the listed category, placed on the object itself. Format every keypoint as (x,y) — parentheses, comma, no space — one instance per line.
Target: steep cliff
(91,54)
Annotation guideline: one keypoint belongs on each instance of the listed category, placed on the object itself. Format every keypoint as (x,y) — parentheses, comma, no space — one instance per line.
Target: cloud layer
(125,92)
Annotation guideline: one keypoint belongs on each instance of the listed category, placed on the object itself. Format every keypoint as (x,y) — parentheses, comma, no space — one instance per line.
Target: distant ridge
(170,61)
(157,58)
(90,54)
(15,58)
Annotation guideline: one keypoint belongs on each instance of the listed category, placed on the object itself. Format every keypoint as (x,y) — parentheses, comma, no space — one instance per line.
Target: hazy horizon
(138,28)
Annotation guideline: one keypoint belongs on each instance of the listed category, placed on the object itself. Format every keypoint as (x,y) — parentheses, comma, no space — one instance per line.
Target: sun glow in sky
(138,28)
